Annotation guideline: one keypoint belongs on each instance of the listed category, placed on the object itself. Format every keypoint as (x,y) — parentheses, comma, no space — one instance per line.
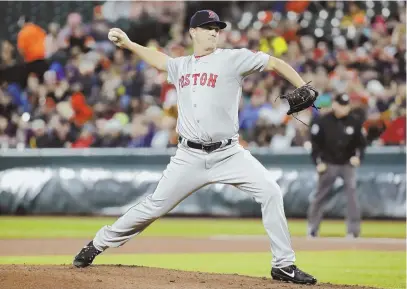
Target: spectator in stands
(86,137)
(87,81)
(250,113)
(112,135)
(6,106)
(31,41)
(51,40)
(31,45)
(40,139)
(7,55)
(99,29)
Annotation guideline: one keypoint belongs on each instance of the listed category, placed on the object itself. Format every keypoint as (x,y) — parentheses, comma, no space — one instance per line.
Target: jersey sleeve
(172,70)
(248,61)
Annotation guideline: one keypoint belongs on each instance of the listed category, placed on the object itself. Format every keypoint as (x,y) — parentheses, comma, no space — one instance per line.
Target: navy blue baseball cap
(203,17)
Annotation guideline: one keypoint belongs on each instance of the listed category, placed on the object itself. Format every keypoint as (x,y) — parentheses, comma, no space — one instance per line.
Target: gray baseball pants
(191,169)
(325,183)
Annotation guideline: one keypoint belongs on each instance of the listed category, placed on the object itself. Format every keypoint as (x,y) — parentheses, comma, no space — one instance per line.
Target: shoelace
(94,253)
(298,271)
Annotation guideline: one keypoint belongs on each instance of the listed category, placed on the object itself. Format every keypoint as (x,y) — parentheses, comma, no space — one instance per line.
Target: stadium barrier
(110,181)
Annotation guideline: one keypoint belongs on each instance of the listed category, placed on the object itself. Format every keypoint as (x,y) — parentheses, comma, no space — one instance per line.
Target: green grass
(86,227)
(369,268)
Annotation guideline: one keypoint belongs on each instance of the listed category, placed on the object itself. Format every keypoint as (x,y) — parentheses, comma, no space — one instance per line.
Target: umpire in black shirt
(338,143)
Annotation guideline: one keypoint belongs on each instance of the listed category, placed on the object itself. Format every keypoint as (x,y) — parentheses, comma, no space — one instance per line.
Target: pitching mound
(123,277)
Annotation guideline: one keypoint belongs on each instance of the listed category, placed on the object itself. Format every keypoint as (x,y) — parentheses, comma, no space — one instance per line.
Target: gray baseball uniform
(325,184)
(209,90)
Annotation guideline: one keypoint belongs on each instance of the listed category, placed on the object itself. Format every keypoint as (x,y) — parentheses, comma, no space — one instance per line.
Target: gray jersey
(209,91)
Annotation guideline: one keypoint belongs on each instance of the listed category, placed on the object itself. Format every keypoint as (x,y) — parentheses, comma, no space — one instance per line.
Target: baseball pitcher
(208,84)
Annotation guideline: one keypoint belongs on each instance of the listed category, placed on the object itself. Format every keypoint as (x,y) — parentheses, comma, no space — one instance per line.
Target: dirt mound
(123,277)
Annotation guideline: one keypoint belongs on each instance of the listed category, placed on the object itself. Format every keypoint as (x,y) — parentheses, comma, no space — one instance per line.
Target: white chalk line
(317,240)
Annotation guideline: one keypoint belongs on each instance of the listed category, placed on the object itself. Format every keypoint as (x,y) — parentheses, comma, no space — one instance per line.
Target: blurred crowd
(75,89)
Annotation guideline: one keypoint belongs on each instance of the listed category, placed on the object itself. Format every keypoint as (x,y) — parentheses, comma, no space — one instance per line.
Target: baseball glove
(301,98)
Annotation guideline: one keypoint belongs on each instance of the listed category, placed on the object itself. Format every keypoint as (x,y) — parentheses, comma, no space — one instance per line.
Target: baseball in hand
(118,37)
(112,37)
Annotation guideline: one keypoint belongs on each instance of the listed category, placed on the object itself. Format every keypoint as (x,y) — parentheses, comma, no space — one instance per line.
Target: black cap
(342,99)
(203,17)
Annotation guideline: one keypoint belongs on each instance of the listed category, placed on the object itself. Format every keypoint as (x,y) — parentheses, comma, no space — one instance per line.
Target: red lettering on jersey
(187,82)
(195,76)
(181,82)
(204,77)
(212,80)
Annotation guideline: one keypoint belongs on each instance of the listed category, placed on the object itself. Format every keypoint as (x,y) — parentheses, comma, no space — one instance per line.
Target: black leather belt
(208,147)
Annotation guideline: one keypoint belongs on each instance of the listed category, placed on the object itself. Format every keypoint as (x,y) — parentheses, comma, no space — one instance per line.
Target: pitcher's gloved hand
(301,98)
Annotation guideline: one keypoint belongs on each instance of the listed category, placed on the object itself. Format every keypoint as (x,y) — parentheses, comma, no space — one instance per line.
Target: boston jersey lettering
(202,79)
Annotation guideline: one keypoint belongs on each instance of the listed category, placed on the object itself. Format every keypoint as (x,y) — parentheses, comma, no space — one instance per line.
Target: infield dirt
(123,277)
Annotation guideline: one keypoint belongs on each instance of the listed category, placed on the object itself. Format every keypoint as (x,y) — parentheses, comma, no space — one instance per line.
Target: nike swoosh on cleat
(288,274)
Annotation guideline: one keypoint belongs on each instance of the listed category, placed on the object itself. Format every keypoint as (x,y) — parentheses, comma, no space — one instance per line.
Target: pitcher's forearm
(152,57)
(284,69)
